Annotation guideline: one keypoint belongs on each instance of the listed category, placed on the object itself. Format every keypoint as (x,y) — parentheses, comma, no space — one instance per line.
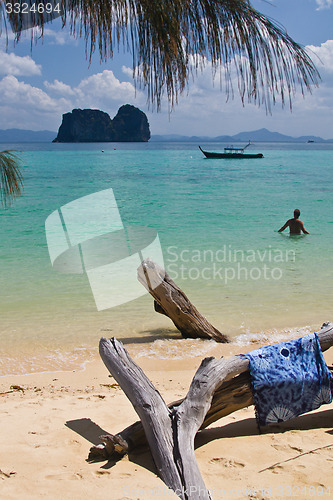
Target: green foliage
(11,182)
(171,39)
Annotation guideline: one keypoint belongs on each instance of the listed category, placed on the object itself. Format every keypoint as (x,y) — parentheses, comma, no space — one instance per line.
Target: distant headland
(92,125)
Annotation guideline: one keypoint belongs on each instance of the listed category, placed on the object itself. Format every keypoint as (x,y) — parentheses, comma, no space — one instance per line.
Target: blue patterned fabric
(289,379)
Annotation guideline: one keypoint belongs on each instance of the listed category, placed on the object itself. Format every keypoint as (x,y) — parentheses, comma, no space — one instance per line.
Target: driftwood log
(218,388)
(170,300)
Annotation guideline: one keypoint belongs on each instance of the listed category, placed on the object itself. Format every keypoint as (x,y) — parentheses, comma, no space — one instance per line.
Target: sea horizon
(262,135)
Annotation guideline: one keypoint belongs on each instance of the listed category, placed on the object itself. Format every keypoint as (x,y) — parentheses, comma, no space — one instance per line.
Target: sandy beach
(50,420)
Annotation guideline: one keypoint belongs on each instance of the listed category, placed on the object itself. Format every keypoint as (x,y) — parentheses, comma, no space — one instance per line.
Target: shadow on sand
(246,427)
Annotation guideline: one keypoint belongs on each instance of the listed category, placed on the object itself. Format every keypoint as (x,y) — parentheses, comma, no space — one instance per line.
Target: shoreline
(166,345)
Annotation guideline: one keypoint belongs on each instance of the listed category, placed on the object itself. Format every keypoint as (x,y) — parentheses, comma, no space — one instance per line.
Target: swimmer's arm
(284,227)
(303,228)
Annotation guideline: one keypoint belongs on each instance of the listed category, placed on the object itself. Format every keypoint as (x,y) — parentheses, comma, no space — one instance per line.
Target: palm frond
(171,39)
(11,181)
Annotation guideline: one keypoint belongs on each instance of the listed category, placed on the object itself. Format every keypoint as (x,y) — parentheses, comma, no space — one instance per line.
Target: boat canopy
(231,149)
(234,149)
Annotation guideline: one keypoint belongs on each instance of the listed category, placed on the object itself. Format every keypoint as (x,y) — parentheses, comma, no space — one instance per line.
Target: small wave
(47,362)
(271,336)
(175,348)
(64,360)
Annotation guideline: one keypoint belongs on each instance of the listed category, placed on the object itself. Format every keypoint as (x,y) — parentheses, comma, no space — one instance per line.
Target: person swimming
(295,225)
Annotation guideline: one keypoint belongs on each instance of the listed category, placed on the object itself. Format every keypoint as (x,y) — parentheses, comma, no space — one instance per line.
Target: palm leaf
(171,39)
(11,181)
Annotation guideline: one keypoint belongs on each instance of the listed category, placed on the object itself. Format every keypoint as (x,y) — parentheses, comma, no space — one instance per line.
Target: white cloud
(105,88)
(25,106)
(324,61)
(127,71)
(11,64)
(59,87)
(59,37)
(324,4)
(101,90)
(15,92)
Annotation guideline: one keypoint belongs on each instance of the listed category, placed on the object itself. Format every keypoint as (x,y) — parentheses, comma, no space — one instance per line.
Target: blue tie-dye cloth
(289,379)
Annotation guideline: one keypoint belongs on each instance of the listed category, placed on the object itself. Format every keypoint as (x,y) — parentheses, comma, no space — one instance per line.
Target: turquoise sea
(217,222)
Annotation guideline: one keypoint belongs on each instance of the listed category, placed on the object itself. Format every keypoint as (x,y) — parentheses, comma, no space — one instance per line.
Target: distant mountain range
(20,135)
(263,135)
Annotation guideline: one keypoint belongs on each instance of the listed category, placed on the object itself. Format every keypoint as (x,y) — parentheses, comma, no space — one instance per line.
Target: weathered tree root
(171,301)
(219,388)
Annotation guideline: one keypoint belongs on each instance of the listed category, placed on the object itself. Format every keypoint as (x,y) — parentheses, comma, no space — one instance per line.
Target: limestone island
(92,125)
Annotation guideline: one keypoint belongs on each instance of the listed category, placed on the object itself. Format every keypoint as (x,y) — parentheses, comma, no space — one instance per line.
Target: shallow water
(217,222)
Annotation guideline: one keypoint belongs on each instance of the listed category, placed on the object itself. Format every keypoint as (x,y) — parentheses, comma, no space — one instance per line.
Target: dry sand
(50,420)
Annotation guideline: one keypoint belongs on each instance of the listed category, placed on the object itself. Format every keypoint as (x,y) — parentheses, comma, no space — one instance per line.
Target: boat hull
(231,156)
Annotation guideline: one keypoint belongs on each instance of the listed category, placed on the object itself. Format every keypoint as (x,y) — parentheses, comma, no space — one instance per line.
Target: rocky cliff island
(92,125)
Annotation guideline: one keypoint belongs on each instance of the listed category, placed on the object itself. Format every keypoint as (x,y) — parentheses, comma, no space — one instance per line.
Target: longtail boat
(233,153)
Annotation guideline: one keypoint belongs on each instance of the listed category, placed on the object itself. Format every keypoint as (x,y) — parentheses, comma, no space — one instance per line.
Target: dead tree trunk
(170,300)
(230,396)
(170,431)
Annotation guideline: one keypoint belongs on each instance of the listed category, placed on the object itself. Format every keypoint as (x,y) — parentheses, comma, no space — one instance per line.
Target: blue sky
(38,86)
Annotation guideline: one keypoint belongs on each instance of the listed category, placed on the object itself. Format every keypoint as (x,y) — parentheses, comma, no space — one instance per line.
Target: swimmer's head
(297,213)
